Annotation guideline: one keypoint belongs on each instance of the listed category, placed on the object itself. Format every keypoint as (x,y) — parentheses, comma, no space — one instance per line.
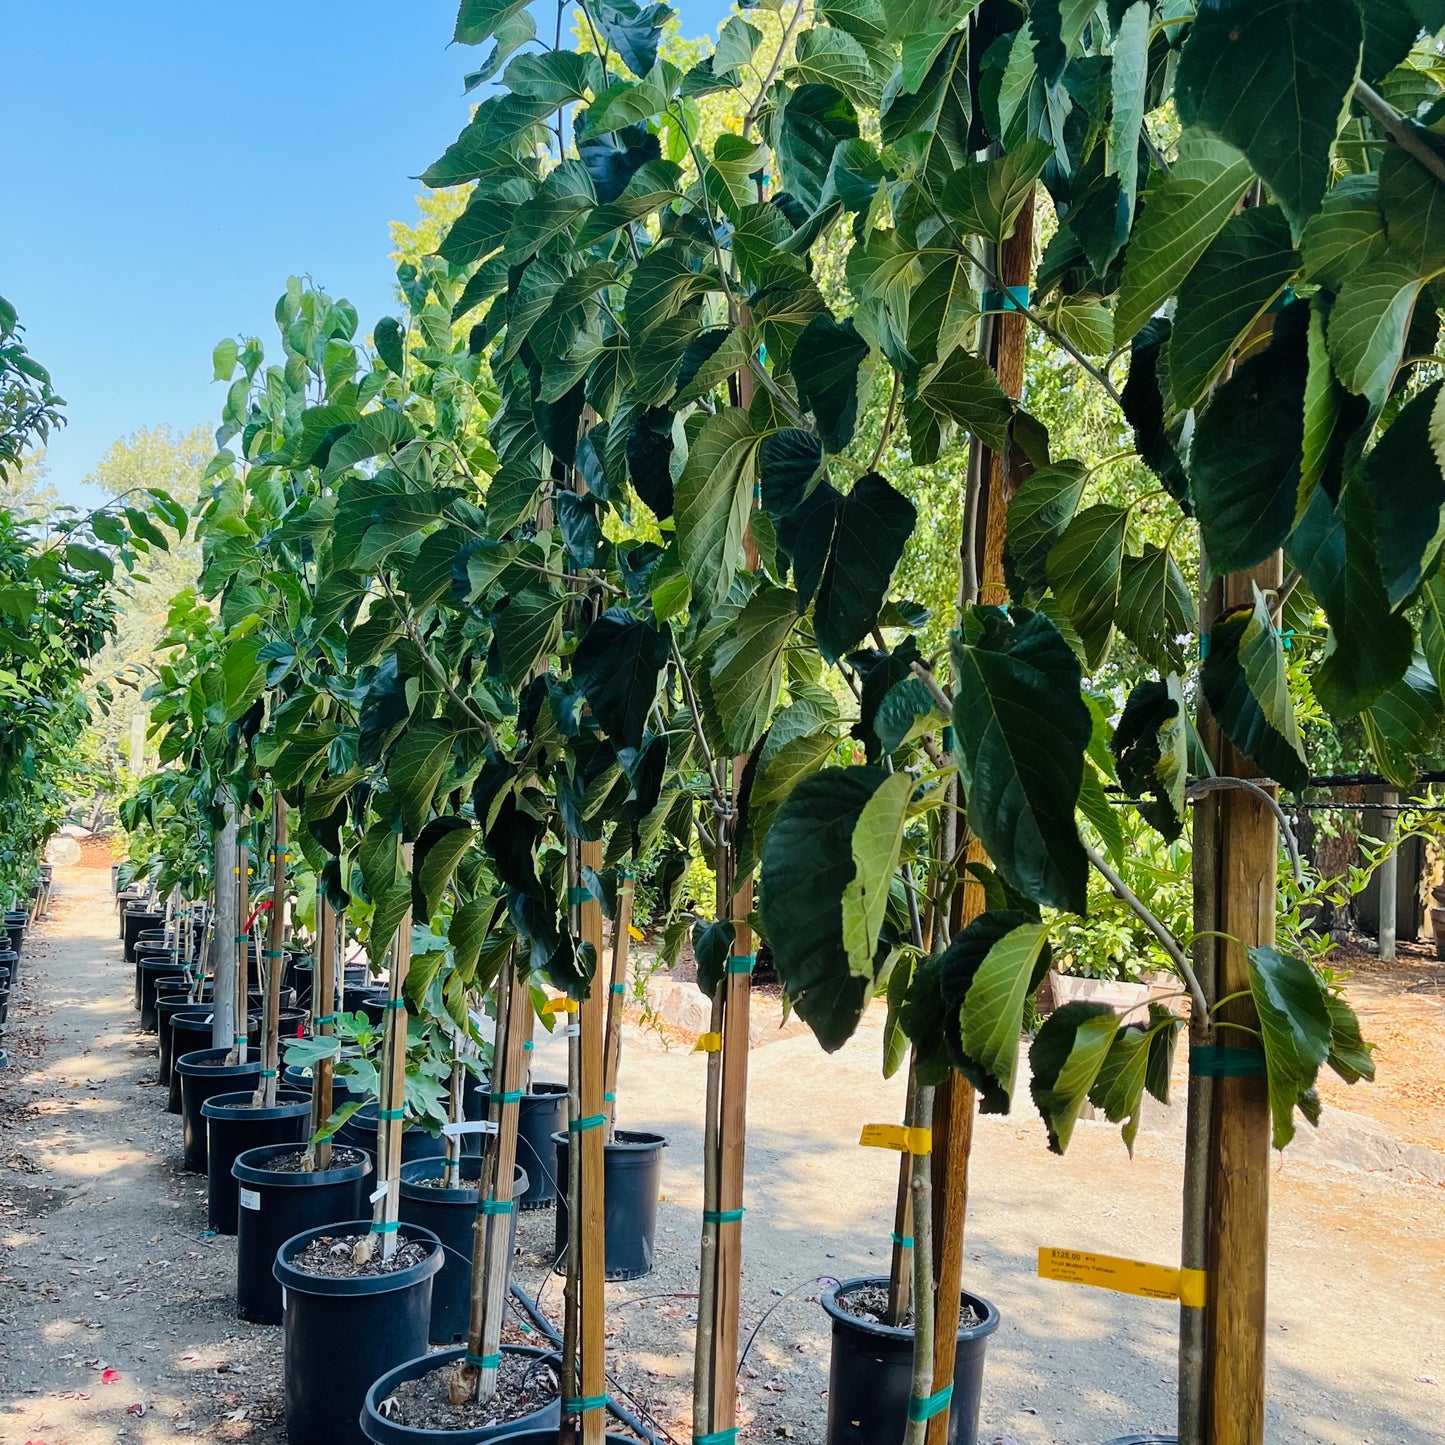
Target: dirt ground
(116,1313)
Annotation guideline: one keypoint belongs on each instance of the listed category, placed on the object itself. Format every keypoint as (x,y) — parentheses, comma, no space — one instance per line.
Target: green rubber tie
(484,1362)
(1209,1061)
(584,1405)
(395,1003)
(619,988)
(268,1073)
(274,953)
(511,1096)
(722,1216)
(609,1098)
(498,1206)
(904,1241)
(741,962)
(926,1408)
(242,938)
(528,1045)
(718,1437)
(238,1038)
(324,1019)
(578,895)
(592,1121)
(392,1114)
(387,1226)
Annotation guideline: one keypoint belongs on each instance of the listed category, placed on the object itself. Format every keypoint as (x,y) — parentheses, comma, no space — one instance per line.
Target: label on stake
(897,1136)
(707,1044)
(379,1192)
(560,1005)
(469,1126)
(1125,1276)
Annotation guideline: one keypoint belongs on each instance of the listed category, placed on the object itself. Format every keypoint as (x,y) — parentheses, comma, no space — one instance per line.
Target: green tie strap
(592,1121)
(584,1405)
(722,1216)
(929,1406)
(718,1437)
(741,962)
(498,1206)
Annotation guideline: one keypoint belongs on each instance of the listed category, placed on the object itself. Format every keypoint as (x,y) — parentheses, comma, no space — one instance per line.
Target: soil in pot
(870,1304)
(233,1125)
(542,1112)
(337,1258)
(631,1177)
(380,1312)
(277,1199)
(450,1215)
(415,1398)
(870,1374)
(203,1074)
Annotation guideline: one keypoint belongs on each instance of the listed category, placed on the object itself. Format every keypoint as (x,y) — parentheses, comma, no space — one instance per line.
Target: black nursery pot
(381,1318)
(382,1431)
(631,1174)
(205,1073)
(542,1112)
(168,1005)
(361,1130)
(191,1032)
(450,1214)
(150,970)
(133,922)
(234,1125)
(870,1375)
(15,931)
(276,1204)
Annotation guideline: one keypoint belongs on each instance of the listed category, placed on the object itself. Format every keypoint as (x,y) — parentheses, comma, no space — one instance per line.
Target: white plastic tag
(469,1126)
(249,1198)
(572,1031)
(379,1192)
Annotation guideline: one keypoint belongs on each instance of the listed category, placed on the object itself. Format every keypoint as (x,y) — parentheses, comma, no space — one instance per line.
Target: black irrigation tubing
(631,1421)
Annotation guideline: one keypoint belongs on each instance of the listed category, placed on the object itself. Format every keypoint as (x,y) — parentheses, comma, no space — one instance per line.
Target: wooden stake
(900,1274)
(390,1117)
(617,996)
(271,964)
(223,930)
(588,1141)
(323,1025)
(242,935)
(1248,853)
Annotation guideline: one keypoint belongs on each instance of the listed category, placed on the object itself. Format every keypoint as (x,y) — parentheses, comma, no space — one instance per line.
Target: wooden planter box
(1129,1000)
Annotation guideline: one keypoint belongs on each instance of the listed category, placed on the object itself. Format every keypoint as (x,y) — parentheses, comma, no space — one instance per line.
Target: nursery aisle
(105,1263)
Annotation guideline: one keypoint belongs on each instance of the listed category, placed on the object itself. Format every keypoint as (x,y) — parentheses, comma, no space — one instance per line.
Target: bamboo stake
(617,996)
(271,964)
(390,1116)
(323,987)
(588,1143)
(492,1227)
(929,1322)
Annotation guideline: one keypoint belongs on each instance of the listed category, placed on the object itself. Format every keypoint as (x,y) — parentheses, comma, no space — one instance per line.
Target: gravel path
(116,1316)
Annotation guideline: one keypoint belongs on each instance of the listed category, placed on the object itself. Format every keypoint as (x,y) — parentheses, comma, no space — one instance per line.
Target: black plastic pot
(190,1032)
(631,1174)
(132,923)
(542,1112)
(234,1125)
(9,963)
(450,1214)
(373,1005)
(205,1073)
(274,1205)
(361,1129)
(151,971)
(167,1007)
(382,1431)
(382,1320)
(15,924)
(870,1375)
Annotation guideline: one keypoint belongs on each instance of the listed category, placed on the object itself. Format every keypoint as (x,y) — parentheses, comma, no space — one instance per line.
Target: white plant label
(469,1126)
(249,1198)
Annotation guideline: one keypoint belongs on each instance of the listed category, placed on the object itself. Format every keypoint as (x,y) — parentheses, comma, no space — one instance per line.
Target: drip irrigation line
(767,1314)
(649,1433)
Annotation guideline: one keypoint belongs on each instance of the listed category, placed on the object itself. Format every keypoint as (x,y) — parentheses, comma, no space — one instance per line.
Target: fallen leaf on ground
(110,1377)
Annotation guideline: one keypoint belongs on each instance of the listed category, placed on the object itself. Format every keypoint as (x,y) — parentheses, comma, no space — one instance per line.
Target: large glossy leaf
(1244,646)
(877,842)
(477,20)
(527,629)
(747,666)
(1038,513)
(825,363)
(1140,1058)
(1347,233)
(1158,441)
(1084,571)
(1245,268)
(416,766)
(1368,325)
(1131,83)
(1184,209)
(874,524)
(808,128)
(826,55)
(991,1019)
(1151,747)
(1155,611)
(1407,493)
(1065,1061)
(1403,723)
(807,861)
(619,665)
(1246,461)
(439,848)
(633,30)
(1432,627)
(1370,646)
(1296,1030)
(1274,78)
(1413,202)
(780,768)
(713,497)
(964,389)
(984,198)
(1021,728)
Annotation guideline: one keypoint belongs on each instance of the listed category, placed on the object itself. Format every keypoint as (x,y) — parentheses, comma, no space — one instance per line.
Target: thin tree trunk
(271,969)
(617,996)
(223,930)
(242,936)
(900,1274)
(391,1117)
(926,1323)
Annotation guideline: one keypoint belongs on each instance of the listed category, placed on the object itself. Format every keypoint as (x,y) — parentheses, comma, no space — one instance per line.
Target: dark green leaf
(619,665)
(1065,1061)
(1296,1030)
(714,495)
(747,666)
(825,363)
(1156,611)
(712,942)
(1143,399)
(1407,493)
(1083,569)
(1150,746)
(1038,513)
(439,849)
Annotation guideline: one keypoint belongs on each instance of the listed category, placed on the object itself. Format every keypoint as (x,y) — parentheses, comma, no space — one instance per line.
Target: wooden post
(617,995)
(323,1025)
(391,1114)
(587,1140)
(1389,878)
(271,963)
(1244,899)
(242,935)
(223,930)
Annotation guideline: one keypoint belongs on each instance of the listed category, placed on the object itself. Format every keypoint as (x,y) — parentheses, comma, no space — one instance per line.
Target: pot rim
(254,1173)
(291,1278)
(201,1065)
(624,1141)
(226,1106)
(433,1168)
(985,1327)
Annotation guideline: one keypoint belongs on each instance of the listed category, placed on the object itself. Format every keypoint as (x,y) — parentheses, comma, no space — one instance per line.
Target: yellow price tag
(707,1044)
(561,1005)
(634,932)
(1126,1276)
(897,1136)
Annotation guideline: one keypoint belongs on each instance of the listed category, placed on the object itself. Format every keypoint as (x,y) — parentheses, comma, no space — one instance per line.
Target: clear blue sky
(168,164)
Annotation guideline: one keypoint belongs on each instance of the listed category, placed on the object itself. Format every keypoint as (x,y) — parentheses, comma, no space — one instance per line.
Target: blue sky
(169,164)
